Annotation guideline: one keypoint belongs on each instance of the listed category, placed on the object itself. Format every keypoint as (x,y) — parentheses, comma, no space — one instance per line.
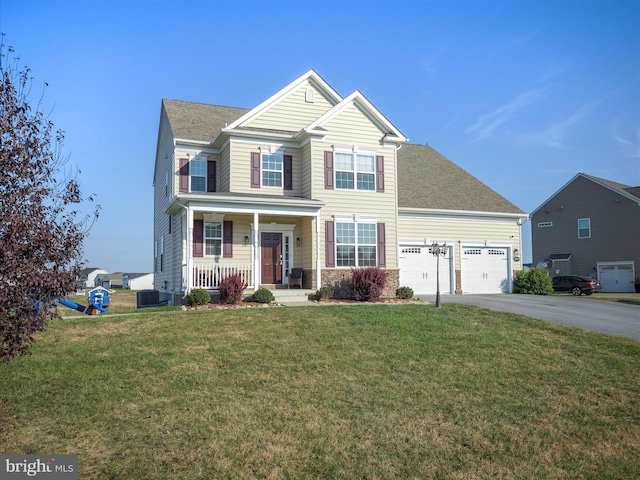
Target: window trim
(358,243)
(588,220)
(205,238)
(354,153)
(193,162)
(264,170)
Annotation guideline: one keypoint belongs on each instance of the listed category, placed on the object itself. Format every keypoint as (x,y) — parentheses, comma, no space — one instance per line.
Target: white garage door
(616,278)
(418,270)
(484,270)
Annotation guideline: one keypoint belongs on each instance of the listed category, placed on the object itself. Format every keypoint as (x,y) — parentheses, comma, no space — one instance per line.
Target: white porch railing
(208,275)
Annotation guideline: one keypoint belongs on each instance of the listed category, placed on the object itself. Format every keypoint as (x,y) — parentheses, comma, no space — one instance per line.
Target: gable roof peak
(309,76)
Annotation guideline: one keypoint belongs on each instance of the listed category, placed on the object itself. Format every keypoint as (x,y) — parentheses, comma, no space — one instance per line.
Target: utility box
(149,298)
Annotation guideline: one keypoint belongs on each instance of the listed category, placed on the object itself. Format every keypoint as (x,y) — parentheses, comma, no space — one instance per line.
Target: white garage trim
(418,268)
(617,277)
(486,268)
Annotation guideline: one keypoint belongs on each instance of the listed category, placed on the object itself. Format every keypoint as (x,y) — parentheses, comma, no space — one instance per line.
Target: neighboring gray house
(591,226)
(110,280)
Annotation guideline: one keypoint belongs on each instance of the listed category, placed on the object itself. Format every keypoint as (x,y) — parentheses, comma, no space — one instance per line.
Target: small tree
(40,235)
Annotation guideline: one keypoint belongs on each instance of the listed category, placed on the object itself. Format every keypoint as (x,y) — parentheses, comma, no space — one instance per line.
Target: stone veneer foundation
(339,280)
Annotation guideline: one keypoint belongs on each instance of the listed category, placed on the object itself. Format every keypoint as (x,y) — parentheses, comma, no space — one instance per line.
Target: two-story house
(309,179)
(590,226)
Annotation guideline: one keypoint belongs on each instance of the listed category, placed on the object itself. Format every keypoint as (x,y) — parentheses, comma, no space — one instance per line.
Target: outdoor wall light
(516,255)
(298,241)
(246,239)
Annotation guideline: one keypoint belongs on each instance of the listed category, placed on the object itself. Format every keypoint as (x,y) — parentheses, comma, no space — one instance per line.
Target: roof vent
(309,94)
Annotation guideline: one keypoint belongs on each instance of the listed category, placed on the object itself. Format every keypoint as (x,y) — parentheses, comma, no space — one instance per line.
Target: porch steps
(293,295)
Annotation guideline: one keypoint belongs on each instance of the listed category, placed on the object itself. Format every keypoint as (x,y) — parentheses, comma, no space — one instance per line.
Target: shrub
(404,292)
(534,282)
(198,296)
(231,289)
(263,295)
(323,293)
(367,284)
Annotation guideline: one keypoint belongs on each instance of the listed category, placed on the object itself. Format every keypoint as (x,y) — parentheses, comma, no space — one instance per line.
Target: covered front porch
(261,238)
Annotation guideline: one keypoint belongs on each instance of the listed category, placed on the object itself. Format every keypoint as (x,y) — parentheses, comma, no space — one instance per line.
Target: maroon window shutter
(379,174)
(255,169)
(227,239)
(288,174)
(328,170)
(382,252)
(198,238)
(184,174)
(330,243)
(211,176)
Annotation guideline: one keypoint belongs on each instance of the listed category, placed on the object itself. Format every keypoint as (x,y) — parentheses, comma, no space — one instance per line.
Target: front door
(271,253)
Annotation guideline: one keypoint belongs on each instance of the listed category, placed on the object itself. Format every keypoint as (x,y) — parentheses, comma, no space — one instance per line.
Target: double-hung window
(356,244)
(584,228)
(198,173)
(213,238)
(355,171)
(272,170)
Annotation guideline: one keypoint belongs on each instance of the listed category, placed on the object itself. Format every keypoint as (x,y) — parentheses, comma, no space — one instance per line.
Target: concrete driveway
(613,318)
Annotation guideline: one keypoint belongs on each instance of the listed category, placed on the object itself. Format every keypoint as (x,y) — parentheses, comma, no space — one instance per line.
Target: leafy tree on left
(41,225)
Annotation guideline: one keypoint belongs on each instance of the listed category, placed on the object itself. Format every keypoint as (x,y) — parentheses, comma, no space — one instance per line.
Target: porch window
(272,170)
(213,239)
(584,228)
(355,171)
(356,244)
(198,173)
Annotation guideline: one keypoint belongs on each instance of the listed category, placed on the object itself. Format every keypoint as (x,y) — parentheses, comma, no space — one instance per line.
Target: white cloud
(486,125)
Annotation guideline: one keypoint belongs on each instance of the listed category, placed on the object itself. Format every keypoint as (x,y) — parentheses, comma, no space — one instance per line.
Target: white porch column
(318,262)
(189,250)
(254,252)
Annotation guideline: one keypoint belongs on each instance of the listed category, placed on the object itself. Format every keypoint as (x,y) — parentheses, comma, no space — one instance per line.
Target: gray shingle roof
(199,121)
(427,179)
(620,187)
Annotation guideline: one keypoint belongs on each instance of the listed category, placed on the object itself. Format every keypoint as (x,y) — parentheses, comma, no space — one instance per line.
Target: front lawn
(371,391)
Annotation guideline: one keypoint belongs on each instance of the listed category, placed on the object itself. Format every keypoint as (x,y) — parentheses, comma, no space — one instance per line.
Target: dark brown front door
(271,252)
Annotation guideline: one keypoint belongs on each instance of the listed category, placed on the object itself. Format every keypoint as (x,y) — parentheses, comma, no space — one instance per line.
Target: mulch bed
(337,301)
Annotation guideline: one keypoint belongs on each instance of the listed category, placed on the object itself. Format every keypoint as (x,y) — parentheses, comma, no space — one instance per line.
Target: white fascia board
(467,214)
(373,112)
(257,135)
(309,76)
(221,203)
(193,143)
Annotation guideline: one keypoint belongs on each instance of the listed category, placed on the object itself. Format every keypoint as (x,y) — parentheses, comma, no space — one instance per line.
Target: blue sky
(521,94)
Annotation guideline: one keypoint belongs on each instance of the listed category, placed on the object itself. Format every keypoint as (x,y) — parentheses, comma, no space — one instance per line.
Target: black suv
(575,284)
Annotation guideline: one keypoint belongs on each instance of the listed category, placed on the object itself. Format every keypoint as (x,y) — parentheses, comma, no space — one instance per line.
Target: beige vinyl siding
(305,171)
(353,127)
(293,113)
(162,194)
(414,228)
(224,182)
(240,175)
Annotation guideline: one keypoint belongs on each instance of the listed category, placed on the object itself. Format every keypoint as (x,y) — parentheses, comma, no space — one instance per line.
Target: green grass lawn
(371,391)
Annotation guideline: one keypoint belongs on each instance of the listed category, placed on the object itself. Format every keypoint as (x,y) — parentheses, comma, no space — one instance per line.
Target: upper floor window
(213,238)
(355,171)
(584,228)
(272,170)
(198,173)
(356,244)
